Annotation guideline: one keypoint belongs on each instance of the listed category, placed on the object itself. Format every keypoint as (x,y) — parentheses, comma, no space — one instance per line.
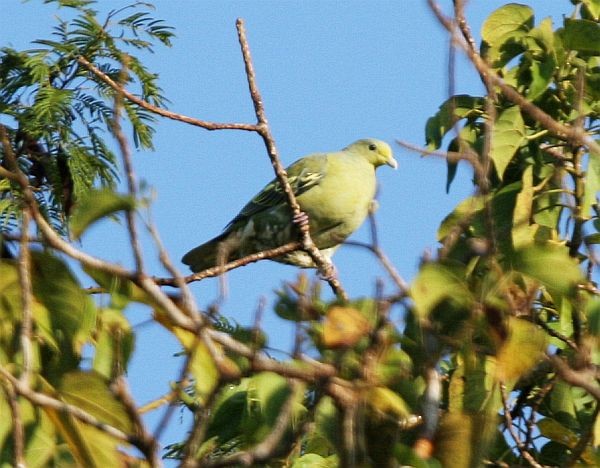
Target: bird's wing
(303,175)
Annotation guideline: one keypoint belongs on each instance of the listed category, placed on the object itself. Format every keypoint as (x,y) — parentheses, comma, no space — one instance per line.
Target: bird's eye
(372,147)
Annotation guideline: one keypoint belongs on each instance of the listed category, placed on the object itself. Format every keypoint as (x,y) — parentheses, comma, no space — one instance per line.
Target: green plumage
(335,190)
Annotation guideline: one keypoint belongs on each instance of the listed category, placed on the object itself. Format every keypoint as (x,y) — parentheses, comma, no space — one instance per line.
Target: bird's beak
(392,163)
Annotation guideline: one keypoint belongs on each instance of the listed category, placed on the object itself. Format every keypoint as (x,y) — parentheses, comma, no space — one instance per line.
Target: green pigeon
(335,191)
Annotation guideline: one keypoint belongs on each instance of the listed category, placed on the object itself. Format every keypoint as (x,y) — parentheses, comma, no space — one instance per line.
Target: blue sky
(330,72)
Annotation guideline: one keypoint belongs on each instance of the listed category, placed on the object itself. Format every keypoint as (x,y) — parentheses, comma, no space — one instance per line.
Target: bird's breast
(339,204)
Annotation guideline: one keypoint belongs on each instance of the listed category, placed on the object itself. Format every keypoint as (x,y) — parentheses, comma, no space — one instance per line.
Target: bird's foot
(301,219)
(329,274)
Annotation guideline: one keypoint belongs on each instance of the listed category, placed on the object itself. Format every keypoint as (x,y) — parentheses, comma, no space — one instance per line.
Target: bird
(334,190)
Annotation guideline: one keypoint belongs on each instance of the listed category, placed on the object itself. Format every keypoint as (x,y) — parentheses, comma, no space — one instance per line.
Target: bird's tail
(212,253)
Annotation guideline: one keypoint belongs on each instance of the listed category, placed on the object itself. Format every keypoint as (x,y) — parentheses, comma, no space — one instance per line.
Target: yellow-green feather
(335,190)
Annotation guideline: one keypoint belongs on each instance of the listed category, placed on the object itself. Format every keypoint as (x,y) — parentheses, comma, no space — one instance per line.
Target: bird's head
(377,152)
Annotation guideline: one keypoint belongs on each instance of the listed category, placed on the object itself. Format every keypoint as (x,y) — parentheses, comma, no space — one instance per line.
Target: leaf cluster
(58,114)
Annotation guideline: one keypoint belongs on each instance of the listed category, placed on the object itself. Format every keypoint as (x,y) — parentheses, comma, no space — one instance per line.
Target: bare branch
(148,444)
(163,112)
(220,269)
(26,299)
(18,432)
(324,266)
(513,433)
(129,172)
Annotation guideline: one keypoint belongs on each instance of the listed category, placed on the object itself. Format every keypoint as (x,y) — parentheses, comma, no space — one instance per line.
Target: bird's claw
(329,274)
(300,219)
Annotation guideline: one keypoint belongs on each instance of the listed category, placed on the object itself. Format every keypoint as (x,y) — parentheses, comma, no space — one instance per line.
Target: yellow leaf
(343,327)
(523,349)
(386,402)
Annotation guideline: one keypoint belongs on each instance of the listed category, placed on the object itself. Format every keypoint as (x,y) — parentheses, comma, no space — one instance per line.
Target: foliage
(56,112)
(495,359)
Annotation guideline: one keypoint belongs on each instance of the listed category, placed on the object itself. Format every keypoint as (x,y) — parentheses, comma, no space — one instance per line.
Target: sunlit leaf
(522,232)
(89,391)
(502,31)
(471,383)
(593,7)
(506,20)
(464,211)
(267,393)
(461,438)
(386,402)
(343,327)
(311,460)
(523,349)
(204,370)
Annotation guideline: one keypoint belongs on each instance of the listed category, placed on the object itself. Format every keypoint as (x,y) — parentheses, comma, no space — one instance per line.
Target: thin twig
(219,269)
(402,285)
(18,432)
(513,433)
(148,444)
(207,125)
(129,172)
(26,299)
(54,240)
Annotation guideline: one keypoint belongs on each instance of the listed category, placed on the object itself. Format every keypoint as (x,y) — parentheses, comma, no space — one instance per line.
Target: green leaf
(550,265)
(508,20)
(89,391)
(122,290)
(523,233)
(462,439)
(507,136)
(592,186)
(311,460)
(542,73)
(436,283)
(114,344)
(592,238)
(471,383)
(503,31)
(455,108)
(96,205)
(205,372)
(592,312)
(464,211)
(72,312)
(267,393)
(581,35)
(87,445)
(386,402)
(593,8)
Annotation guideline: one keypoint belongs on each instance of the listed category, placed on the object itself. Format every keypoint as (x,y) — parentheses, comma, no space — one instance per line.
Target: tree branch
(207,125)
(262,127)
